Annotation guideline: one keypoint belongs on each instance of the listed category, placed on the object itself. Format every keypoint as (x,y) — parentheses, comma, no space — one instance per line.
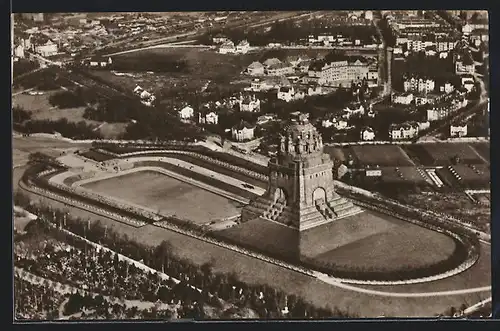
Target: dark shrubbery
(80,130)
(67,99)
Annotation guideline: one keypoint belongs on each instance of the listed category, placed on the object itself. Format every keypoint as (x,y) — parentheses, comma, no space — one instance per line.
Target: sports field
(167,195)
(382,155)
(444,154)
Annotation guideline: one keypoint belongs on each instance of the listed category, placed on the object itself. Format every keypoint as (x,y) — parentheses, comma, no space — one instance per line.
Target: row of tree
(220,285)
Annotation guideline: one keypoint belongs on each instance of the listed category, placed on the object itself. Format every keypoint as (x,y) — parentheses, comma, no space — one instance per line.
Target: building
(458,130)
(227,48)
(367,134)
(301,192)
(266,118)
(353,109)
(219,39)
(445,44)
(402,98)
(337,122)
(186,113)
(464,63)
(446,87)
(258,85)
(255,69)
(243,131)
(100,62)
(404,131)
(249,103)
(418,84)
(279,69)
(48,48)
(243,47)
(286,93)
(19,51)
(271,61)
(208,117)
(303,66)
(339,70)
(438,113)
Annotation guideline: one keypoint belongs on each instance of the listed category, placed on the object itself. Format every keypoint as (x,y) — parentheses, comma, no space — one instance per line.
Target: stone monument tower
(300,191)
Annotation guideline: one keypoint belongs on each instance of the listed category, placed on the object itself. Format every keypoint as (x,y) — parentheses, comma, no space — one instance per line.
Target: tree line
(164,257)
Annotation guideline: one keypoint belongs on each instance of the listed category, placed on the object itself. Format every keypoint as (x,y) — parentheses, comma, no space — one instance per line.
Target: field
(404,174)
(203,63)
(167,195)
(265,235)
(382,155)
(443,154)
(41,109)
(404,244)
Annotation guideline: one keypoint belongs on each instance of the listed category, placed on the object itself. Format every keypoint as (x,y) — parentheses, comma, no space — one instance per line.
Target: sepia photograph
(251,165)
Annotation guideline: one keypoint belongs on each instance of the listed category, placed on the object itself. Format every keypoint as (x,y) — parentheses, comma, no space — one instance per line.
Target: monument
(300,192)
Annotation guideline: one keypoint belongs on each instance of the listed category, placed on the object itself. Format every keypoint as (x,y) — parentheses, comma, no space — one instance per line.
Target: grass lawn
(168,195)
(41,109)
(483,149)
(402,245)
(322,239)
(382,155)
(265,235)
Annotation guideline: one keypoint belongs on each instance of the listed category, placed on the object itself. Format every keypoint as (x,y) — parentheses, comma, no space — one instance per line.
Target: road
(461,114)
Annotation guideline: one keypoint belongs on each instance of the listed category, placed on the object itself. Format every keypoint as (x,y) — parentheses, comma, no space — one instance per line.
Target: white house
(249,104)
(186,113)
(446,88)
(19,51)
(403,98)
(243,47)
(367,134)
(280,69)
(227,48)
(46,49)
(255,69)
(219,39)
(209,117)
(418,84)
(423,125)
(243,131)
(337,123)
(353,109)
(459,130)
(404,131)
(100,62)
(286,93)
(438,113)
